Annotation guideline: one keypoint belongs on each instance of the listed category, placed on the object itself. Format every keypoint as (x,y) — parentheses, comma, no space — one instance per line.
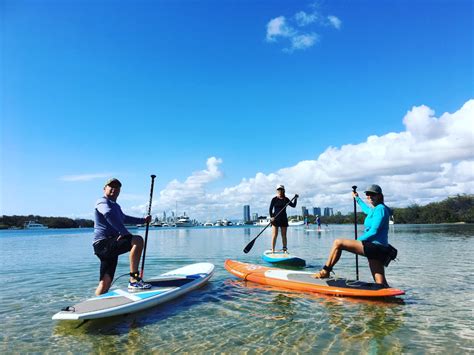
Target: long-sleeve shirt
(277,205)
(376,223)
(109,220)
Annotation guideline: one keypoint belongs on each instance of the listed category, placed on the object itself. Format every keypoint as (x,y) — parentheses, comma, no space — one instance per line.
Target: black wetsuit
(276,206)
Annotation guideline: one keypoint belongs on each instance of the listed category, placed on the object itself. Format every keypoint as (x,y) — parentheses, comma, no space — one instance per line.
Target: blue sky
(93,89)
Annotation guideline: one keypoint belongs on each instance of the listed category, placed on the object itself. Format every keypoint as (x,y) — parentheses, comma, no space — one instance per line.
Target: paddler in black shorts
(278,204)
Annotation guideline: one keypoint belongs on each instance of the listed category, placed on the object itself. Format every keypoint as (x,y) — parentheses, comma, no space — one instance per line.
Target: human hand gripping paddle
(252,242)
(355,230)
(147,225)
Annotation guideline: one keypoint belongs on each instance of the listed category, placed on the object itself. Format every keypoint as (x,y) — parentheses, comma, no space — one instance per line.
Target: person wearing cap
(279,219)
(373,244)
(318,222)
(111,239)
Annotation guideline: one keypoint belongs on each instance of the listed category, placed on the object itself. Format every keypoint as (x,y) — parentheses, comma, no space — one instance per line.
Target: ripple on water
(229,315)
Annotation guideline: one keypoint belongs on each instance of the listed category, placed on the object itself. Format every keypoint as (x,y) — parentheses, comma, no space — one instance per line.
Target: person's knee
(338,243)
(137,240)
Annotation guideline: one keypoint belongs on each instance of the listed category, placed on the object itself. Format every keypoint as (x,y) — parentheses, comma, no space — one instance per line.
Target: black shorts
(108,250)
(281,222)
(374,251)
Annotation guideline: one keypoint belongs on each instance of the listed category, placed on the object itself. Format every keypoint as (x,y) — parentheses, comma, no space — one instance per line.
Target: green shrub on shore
(457,209)
(51,222)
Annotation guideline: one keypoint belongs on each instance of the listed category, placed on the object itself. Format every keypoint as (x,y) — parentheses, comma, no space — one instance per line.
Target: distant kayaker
(373,244)
(112,239)
(277,205)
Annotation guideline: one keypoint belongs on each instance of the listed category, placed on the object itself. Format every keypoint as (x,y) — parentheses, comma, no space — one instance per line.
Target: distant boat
(156,224)
(391,220)
(208,224)
(262,221)
(226,222)
(295,223)
(184,221)
(34,225)
(218,223)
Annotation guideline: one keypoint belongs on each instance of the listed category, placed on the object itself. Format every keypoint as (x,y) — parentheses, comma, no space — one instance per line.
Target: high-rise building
(246,213)
(328,211)
(316,211)
(304,211)
(254,216)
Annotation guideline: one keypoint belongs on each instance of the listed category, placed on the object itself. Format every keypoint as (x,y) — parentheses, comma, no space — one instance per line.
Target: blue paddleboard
(282,258)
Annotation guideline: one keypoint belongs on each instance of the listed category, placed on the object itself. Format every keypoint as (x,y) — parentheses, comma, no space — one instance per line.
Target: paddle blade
(249,246)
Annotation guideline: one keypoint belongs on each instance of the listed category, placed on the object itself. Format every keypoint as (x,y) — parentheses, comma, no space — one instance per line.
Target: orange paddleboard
(303,281)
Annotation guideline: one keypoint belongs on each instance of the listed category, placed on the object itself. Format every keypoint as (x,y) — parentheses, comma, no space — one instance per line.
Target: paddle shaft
(355,231)
(147,225)
(252,242)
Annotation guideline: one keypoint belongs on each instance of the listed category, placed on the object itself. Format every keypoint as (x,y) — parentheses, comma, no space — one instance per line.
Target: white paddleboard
(120,301)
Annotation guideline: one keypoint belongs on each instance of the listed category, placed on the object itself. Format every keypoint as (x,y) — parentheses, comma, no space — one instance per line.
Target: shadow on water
(127,323)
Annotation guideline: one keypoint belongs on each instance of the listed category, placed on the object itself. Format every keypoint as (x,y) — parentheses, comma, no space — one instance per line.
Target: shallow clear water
(43,271)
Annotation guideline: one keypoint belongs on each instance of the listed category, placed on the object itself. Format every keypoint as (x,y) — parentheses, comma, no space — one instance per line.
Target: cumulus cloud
(292,30)
(433,158)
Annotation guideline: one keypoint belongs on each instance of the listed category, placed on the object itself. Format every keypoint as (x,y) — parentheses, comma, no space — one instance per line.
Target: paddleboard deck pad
(282,258)
(120,301)
(303,281)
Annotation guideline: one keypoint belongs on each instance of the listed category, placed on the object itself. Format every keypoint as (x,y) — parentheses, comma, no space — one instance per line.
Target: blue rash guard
(109,220)
(376,223)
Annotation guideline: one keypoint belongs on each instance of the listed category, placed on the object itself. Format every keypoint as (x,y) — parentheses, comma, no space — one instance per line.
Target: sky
(223,100)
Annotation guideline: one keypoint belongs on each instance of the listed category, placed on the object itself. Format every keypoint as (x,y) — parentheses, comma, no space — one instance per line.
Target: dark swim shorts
(374,251)
(280,222)
(108,250)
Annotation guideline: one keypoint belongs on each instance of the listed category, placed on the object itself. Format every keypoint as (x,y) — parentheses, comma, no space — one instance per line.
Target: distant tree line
(455,209)
(51,222)
(451,210)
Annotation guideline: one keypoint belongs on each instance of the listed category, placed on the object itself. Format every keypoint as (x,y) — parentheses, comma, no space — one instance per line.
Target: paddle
(252,242)
(355,231)
(147,225)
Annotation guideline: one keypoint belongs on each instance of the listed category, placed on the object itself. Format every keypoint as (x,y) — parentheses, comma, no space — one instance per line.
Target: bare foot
(322,274)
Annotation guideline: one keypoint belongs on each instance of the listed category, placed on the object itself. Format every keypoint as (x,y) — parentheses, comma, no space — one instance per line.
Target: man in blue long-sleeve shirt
(373,243)
(111,239)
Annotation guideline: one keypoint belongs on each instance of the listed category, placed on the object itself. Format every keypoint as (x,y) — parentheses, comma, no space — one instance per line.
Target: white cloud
(299,39)
(429,161)
(303,41)
(277,27)
(303,19)
(335,22)
(85,177)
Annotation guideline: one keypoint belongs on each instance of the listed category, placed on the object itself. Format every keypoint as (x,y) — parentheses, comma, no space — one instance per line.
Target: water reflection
(236,316)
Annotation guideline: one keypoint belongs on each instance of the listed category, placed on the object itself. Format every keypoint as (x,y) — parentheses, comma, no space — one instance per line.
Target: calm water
(43,271)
